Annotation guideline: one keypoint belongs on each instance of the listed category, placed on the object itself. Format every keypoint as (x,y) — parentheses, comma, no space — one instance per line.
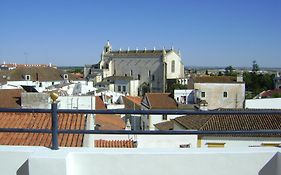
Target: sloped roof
(215,79)
(40,121)
(10,98)
(36,73)
(137,53)
(269,93)
(107,121)
(163,126)
(159,101)
(234,122)
(132,102)
(114,143)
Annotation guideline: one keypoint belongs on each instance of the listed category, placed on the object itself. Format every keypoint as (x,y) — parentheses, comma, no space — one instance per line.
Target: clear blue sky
(208,32)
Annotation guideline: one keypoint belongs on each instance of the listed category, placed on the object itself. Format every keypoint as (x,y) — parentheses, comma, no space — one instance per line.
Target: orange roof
(132,102)
(114,143)
(40,121)
(107,121)
(10,98)
(135,99)
(99,103)
(159,101)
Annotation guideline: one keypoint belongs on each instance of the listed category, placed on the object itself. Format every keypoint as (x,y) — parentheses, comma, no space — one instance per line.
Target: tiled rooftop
(40,121)
(36,73)
(214,79)
(136,53)
(10,98)
(159,101)
(234,122)
(132,102)
(164,126)
(114,143)
(107,121)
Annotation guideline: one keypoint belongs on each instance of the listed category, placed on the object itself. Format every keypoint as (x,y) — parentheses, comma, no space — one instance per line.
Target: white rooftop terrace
(21,160)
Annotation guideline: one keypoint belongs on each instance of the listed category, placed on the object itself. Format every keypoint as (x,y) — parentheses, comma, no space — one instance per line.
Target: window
(40,84)
(27,77)
(173,66)
(131,73)
(149,73)
(65,76)
(119,88)
(124,88)
(224,94)
(152,78)
(185,145)
(164,117)
(139,77)
(203,94)
(215,145)
(125,75)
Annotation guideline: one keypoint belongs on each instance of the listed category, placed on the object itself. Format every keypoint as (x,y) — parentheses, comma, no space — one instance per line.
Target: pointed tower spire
(164,51)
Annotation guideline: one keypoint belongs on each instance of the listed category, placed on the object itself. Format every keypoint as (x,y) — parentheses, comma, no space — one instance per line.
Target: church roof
(137,53)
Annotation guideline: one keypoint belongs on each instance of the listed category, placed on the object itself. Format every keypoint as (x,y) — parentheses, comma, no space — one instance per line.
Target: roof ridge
(206,121)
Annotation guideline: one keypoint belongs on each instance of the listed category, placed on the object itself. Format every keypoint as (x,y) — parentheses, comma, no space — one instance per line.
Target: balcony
(31,160)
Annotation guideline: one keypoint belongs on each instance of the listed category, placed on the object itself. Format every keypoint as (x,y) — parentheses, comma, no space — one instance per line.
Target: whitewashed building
(218,91)
(263,103)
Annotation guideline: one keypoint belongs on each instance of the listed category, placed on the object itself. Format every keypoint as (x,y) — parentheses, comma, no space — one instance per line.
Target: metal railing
(55,130)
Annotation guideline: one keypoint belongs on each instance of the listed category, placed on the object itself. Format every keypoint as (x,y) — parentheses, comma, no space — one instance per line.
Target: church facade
(152,68)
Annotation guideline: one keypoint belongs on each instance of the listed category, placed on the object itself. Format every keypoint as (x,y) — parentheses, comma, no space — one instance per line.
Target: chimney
(239,78)
(37,76)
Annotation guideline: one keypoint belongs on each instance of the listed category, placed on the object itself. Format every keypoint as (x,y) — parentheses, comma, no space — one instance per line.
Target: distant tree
(256,83)
(255,66)
(207,72)
(229,71)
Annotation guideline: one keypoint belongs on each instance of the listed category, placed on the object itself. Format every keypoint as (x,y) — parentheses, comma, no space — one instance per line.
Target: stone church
(152,68)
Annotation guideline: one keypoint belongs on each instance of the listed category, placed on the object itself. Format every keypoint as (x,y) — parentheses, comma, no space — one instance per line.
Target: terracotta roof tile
(40,121)
(233,122)
(160,101)
(163,126)
(99,103)
(12,98)
(115,144)
(132,102)
(107,121)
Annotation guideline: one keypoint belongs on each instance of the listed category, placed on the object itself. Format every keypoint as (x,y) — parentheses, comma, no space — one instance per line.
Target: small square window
(203,94)
(164,117)
(119,88)
(124,88)
(224,94)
